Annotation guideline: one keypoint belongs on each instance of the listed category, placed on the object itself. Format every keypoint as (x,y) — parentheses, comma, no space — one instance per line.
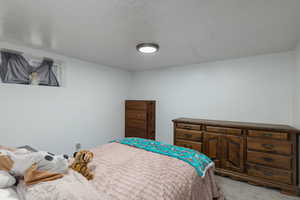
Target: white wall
(89,108)
(297,89)
(296,107)
(254,89)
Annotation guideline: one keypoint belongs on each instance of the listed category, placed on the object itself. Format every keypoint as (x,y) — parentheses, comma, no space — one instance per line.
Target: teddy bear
(81,161)
(33,167)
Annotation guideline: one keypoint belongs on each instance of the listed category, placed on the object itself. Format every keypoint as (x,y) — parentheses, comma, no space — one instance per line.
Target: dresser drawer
(233,131)
(189,126)
(135,105)
(188,144)
(270,173)
(275,146)
(268,134)
(268,159)
(135,132)
(136,114)
(135,123)
(189,134)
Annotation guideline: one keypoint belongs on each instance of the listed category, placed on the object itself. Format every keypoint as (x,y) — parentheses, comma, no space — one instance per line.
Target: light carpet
(236,190)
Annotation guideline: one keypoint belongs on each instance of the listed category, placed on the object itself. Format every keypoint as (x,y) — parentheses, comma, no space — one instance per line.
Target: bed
(123,172)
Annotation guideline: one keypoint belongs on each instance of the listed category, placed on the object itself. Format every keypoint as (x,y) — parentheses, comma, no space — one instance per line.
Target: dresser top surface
(234,124)
(140,101)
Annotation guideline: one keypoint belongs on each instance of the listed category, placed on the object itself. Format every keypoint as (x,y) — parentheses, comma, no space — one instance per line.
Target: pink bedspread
(125,173)
(128,173)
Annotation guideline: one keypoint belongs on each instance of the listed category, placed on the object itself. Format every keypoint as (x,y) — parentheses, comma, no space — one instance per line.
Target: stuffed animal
(33,167)
(80,164)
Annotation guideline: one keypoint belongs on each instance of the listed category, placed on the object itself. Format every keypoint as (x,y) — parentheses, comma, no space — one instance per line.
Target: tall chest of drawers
(261,154)
(140,119)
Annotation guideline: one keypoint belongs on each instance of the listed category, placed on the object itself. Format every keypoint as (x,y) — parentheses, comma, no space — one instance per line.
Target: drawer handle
(268,134)
(268,146)
(268,159)
(268,173)
(187,146)
(187,127)
(188,135)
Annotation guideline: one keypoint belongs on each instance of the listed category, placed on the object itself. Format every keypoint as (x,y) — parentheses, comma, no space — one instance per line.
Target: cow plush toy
(33,167)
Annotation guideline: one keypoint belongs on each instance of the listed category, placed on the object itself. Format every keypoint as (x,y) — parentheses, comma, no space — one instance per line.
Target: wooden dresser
(261,154)
(140,119)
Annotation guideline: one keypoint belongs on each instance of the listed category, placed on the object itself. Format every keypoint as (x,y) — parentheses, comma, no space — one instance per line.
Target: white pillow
(8,194)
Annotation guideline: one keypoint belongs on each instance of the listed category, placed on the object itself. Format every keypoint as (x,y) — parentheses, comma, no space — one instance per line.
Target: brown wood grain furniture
(261,154)
(140,119)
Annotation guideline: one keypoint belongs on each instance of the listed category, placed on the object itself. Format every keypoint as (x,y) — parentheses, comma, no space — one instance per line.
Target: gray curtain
(14,68)
(46,74)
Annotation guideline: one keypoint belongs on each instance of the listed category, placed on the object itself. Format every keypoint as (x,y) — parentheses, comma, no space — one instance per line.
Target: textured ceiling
(188,31)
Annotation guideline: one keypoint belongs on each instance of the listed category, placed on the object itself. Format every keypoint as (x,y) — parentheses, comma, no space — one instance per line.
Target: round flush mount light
(147,48)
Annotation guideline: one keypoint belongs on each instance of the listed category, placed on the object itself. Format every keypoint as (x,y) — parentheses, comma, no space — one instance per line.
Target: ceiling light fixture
(147,48)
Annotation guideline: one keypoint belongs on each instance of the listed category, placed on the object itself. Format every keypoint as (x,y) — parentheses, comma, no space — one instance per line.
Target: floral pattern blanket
(196,159)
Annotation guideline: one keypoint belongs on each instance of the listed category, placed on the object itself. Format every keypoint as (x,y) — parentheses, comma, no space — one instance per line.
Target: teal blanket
(198,160)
